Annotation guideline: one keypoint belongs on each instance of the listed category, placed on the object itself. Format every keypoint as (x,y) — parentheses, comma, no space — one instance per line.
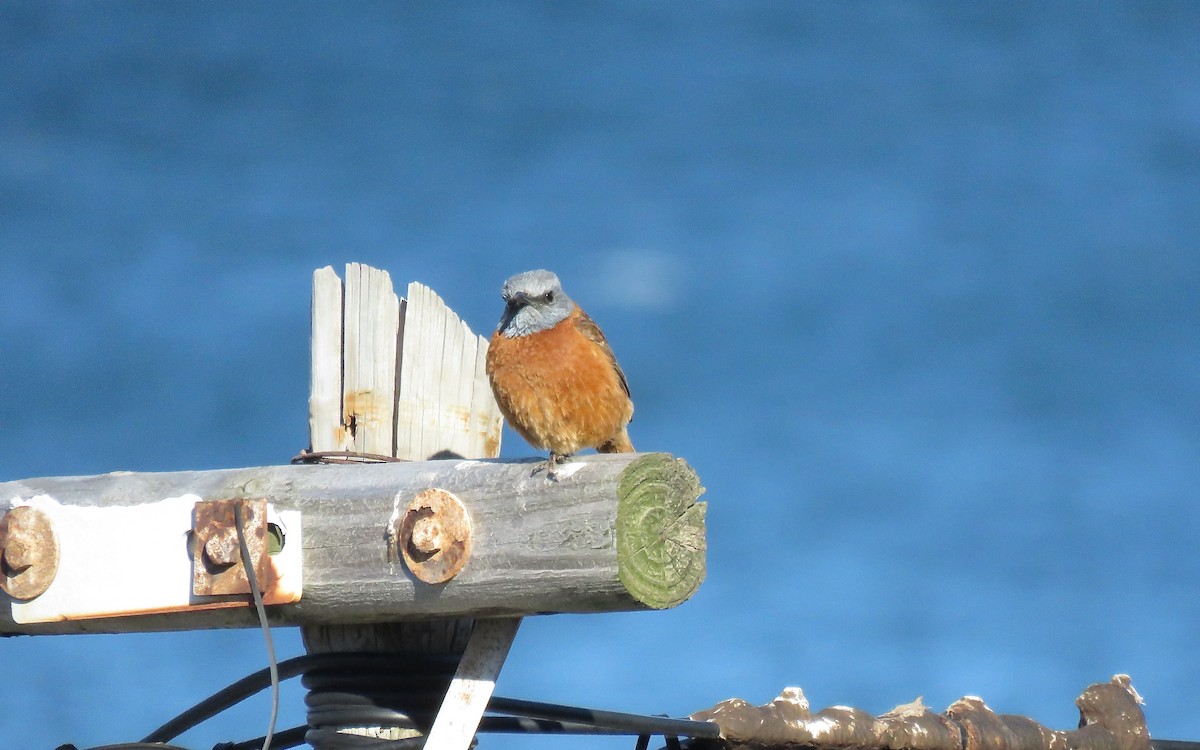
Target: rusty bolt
(17,554)
(28,553)
(222,547)
(427,536)
(434,536)
(216,557)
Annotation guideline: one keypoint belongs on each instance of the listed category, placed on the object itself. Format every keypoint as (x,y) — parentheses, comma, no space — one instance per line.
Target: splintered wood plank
(325,427)
(440,403)
(486,422)
(444,402)
(372,319)
(411,348)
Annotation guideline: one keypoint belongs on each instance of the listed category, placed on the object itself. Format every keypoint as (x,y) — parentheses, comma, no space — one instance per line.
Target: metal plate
(217,566)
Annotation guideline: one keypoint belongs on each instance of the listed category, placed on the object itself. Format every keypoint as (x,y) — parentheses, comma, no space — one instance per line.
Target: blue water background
(914,287)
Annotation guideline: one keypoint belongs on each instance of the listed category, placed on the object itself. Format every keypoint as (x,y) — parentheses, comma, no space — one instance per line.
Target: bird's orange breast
(558,388)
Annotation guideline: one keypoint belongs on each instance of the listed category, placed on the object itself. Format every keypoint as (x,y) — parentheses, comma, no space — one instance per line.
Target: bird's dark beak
(512,304)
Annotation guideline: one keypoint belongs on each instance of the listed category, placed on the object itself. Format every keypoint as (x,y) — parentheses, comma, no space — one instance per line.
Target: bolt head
(434,536)
(28,553)
(17,554)
(427,535)
(222,548)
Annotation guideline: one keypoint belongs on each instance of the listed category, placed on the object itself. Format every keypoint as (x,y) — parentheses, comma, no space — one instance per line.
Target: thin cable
(632,723)
(343,457)
(288,738)
(248,563)
(225,698)
(133,746)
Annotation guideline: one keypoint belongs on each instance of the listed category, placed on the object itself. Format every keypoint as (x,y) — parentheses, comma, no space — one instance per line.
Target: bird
(555,378)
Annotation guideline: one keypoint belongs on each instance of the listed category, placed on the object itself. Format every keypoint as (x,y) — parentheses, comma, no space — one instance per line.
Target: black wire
(334,670)
(631,723)
(335,740)
(306,663)
(133,746)
(225,698)
(248,563)
(288,738)
(336,682)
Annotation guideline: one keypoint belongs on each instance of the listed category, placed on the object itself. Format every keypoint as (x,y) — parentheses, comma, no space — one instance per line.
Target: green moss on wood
(660,530)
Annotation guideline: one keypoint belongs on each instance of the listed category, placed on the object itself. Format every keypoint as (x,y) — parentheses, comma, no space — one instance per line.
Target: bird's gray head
(533,301)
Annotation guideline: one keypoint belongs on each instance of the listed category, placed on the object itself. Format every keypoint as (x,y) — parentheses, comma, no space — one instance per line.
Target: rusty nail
(434,536)
(28,553)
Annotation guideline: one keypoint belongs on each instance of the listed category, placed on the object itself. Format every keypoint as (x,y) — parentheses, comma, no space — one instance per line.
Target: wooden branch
(616,532)
(1111,718)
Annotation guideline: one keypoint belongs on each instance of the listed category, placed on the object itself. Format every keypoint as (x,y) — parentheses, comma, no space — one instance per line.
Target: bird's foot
(551,466)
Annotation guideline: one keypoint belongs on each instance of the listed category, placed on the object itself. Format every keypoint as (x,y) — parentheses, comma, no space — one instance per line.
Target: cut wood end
(660,531)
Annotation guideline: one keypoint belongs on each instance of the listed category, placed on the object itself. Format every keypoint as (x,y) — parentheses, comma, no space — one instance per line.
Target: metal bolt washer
(28,553)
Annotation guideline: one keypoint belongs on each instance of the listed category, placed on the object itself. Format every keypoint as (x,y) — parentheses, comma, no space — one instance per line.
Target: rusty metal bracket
(28,553)
(217,567)
(434,536)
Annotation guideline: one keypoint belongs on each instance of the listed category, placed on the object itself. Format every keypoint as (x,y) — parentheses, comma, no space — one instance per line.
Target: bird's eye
(548,297)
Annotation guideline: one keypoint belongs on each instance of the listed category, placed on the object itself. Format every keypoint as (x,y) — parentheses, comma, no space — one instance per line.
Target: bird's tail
(619,443)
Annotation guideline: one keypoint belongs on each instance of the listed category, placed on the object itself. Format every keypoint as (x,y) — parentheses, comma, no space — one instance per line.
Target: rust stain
(363,406)
(491,445)
(461,415)
(217,567)
(434,536)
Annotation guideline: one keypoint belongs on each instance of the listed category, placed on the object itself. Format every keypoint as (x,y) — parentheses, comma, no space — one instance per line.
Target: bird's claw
(550,466)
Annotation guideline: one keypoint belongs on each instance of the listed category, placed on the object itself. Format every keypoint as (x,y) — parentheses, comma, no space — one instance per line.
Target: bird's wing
(589,328)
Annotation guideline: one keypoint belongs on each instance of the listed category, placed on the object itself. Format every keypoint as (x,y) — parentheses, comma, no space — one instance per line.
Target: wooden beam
(616,532)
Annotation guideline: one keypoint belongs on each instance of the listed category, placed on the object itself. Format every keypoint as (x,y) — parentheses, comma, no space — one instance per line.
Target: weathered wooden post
(404,379)
(397,556)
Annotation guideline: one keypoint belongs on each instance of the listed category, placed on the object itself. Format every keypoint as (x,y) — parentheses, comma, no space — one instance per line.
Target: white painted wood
(129,560)
(473,684)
